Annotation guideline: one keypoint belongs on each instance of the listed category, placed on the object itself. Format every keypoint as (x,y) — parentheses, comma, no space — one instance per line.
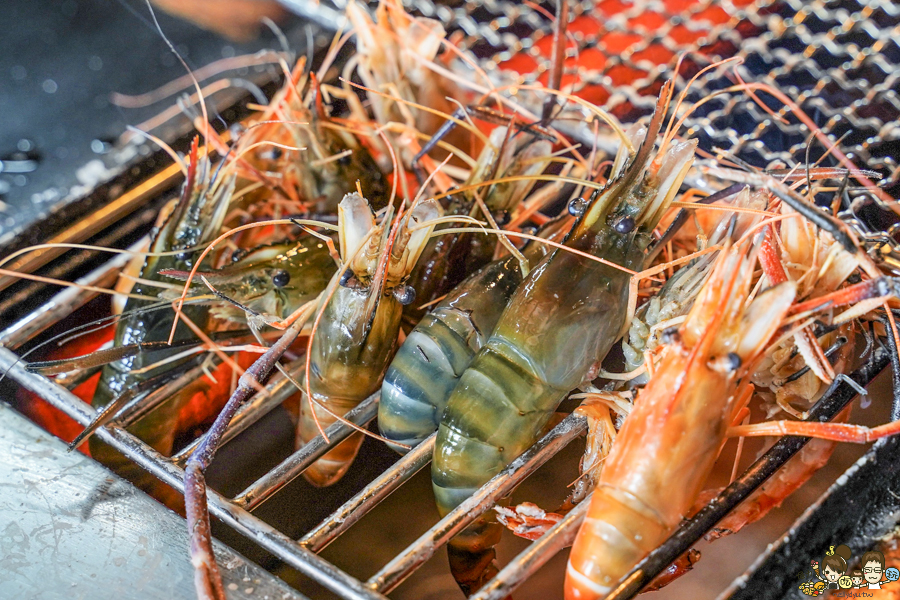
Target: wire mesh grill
(835,57)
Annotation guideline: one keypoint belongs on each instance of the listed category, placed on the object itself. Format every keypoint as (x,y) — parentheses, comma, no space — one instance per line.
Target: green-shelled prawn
(267,283)
(436,353)
(356,335)
(195,220)
(552,337)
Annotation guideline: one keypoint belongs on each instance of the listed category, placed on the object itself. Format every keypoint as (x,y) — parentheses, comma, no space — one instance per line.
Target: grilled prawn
(554,333)
(670,440)
(356,335)
(296,147)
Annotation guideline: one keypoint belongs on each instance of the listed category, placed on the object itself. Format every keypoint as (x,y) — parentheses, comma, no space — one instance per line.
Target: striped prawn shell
(435,354)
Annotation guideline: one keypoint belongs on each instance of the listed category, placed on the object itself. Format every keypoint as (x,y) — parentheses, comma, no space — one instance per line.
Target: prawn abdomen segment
(427,367)
(499,405)
(633,533)
(333,464)
(421,377)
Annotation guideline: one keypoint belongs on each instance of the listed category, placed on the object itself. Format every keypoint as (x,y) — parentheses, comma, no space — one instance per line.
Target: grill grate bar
(148,459)
(369,497)
(263,488)
(557,538)
(140,406)
(69,299)
(405,563)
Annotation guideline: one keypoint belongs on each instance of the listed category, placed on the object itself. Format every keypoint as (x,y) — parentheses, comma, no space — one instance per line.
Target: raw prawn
(664,310)
(554,333)
(356,334)
(436,353)
(195,220)
(361,315)
(262,286)
(268,282)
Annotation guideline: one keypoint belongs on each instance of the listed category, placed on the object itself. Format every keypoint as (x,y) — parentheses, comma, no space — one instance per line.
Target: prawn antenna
(232,301)
(201,100)
(556,59)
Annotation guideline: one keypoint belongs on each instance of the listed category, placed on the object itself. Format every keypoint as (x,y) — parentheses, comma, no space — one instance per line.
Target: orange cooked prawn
(670,441)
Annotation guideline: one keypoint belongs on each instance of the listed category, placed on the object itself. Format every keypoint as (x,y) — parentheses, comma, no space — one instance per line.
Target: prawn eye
(236,130)
(576,207)
(348,280)
(238,254)
(281,278)
(669,336)
(271,153)
(345,160)
(734,361)
(624,225)
(405,294)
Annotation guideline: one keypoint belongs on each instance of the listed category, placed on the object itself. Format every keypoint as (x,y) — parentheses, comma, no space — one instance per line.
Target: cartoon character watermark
(832,574)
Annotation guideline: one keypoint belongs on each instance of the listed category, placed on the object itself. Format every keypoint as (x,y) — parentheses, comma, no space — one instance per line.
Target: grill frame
(300,554)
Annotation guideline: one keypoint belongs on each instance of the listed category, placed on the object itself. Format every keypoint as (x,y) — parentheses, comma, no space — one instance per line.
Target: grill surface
(835,58)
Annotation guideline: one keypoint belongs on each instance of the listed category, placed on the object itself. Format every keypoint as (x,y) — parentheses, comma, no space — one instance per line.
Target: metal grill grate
(836,58)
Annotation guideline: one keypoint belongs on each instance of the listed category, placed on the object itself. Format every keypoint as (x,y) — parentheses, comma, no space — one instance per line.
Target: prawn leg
(796,472)
(869,291)
(99,358)
(485,114)
(207,579)
(836,432)
(130,396)
(804,339)
(448,126)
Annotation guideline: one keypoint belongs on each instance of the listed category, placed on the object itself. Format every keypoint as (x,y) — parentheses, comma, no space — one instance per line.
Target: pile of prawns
(409,247)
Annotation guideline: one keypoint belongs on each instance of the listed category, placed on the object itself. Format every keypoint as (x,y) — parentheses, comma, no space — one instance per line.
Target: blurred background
(62,62)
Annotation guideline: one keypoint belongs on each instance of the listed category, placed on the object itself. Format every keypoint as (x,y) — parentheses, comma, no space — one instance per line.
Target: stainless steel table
(70,529)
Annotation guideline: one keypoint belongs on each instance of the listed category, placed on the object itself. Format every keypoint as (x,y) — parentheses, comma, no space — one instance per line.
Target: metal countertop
(70,529)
